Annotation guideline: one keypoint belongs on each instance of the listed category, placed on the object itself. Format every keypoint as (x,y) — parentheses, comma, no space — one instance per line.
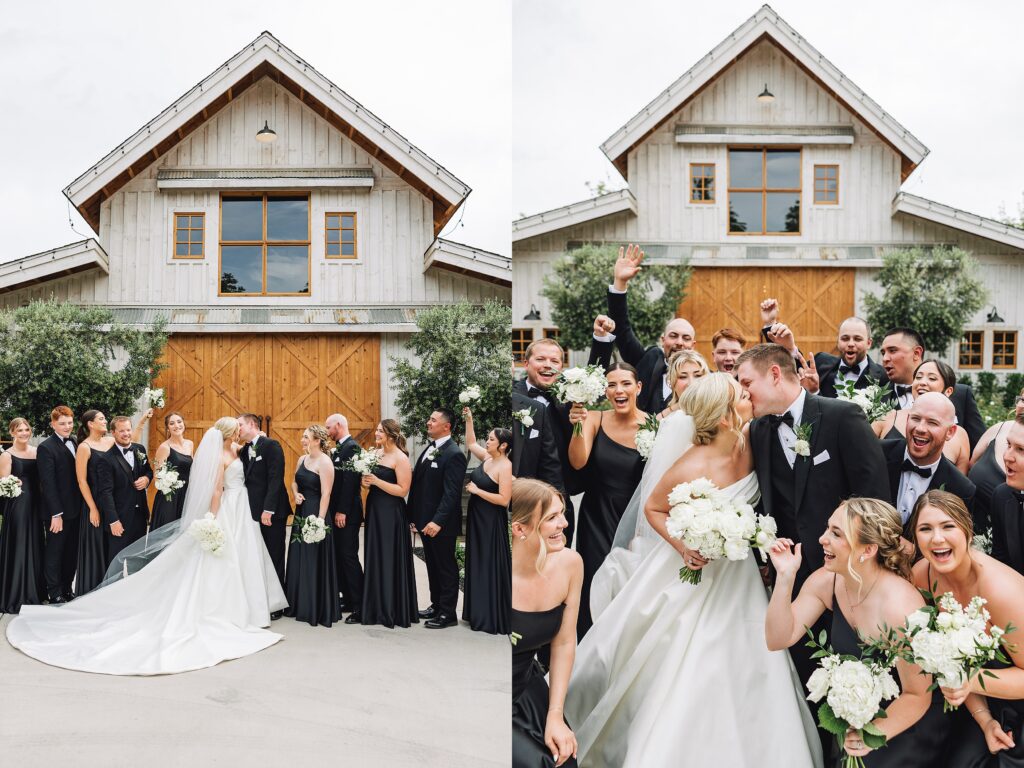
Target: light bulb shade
(766,96)
(533,314)
(994,317)
(266,134)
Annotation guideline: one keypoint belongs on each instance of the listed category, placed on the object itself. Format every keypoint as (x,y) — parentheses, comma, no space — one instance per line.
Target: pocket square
(534,433)
(821,458)
(259,458)
(433,464)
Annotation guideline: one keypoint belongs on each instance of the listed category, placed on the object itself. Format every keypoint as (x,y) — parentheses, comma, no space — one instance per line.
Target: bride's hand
(559,738)
(692,558)
(785,557)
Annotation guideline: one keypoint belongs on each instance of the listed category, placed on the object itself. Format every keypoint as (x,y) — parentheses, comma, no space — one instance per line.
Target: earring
(523,537)
(860,559)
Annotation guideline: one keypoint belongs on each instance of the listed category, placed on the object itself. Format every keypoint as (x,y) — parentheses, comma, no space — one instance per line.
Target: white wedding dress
(187,609)
(673,674)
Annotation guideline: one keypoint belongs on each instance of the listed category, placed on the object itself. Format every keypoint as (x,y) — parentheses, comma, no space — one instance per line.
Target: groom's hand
(431,530)
(266,518)
(141,483)
(116,529)
(339,519)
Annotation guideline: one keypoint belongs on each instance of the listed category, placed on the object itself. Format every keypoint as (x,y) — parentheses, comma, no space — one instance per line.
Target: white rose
(680,493)
(702,486)
(736,550)
(944,620)
(802,448)
(818,684)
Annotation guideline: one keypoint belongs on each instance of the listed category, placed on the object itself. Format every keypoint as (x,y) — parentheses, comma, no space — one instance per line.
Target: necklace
(847,590)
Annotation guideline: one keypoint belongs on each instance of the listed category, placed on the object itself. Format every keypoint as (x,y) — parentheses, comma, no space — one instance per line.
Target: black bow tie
(127,450)
(785,418)
(902,389)
(846,370)
(69,441)
(535,392)
(909,466)
(431,444)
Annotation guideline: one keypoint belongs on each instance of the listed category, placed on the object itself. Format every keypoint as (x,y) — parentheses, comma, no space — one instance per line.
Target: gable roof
(955,218)
(576,213)
(466,260)
(266,56)
(69,259)
(767,25)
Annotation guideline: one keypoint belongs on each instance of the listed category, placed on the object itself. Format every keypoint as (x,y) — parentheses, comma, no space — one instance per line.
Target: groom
(121,482)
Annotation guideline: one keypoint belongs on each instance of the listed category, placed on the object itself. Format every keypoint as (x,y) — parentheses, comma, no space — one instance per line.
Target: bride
(679,675)
(188,608)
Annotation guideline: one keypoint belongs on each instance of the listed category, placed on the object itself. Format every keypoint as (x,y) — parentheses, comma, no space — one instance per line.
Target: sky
(513,96)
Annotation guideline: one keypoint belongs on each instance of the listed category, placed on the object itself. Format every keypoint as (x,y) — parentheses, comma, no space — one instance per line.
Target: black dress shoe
(59,600)
(276,615)
(69,596)
(354,618)
(441,621)
(428,613)
(344,607)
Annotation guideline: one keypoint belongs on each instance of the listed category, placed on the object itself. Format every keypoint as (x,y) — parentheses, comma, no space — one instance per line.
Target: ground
(344,696)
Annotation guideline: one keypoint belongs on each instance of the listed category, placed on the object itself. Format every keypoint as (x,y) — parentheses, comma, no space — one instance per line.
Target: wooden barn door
(813,301)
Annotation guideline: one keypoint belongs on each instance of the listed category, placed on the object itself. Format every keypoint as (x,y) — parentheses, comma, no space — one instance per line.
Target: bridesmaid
(21,535)
(546,580)
(93,443)
(865,583)
(487,598)
(389,584)
(988,470)
(606,448)
(684,368)
(177,452)
(943,530)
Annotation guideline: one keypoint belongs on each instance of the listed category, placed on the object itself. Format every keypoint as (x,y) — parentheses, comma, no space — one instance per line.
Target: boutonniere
(252,451)
(802,446)
(525,419)
(431,452)
(140,455)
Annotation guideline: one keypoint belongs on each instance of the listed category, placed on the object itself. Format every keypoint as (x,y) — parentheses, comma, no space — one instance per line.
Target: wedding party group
(101,583)
(778,558)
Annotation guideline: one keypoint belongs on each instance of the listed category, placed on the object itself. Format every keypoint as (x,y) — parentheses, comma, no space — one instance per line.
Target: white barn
(290,270)
(796,195)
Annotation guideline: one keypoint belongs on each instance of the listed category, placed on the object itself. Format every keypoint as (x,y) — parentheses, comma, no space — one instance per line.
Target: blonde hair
(16,422)
(675,370)
(946,502)
(708,400)
(319,434)
(878,523)
(531,499)
(227,426)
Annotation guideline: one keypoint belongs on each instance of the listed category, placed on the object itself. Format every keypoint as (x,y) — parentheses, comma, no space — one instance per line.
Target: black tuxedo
(828,370)
(436,497)
(649,363)
(58,488)
(264,484)
(534,448)
(1007,527)
(946,476)
(346,498)
(967,415)
(117,498)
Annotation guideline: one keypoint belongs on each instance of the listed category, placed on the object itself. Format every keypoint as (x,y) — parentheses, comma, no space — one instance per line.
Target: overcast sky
(513,96)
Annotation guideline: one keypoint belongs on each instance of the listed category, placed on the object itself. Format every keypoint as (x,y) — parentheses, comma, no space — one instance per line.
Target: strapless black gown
(92,540)
(531,631)
(311,583)
(21,542)
(923,744)
(611,476)
(389,583)
(488,592)
(167,510)
(986,475)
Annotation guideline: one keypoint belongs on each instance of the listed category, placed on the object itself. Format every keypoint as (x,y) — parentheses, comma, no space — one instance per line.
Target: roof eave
(619,201)
(955,218)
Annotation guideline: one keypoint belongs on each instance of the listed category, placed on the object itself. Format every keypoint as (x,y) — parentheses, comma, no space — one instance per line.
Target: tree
(578,289)
(54,353)
(934,292)
(457,345)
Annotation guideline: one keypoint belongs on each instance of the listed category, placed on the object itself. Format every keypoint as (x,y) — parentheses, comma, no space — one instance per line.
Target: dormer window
(764,191)
(264,245)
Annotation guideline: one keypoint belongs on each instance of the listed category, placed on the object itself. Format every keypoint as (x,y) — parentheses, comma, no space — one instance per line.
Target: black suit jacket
(436,492)
(58,483)
(967,415)
(264,479)
(116,496)
(854,467)
(946,476)
(534,449)
(557,417)
(649,363)
(828,370)
(345,493)
(1007,529)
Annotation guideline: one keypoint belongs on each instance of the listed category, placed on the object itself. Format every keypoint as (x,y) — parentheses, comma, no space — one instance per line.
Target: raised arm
(787,620)
(627,267)
(582,442)
(477,450)
(604,340)
(137,432)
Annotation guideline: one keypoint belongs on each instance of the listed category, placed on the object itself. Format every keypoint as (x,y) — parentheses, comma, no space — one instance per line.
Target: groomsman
(435,510)
(916,464)
(61,504)
(263,462)
(121,481)
(726,346)
(534,447)
(347,512)
(1007,508)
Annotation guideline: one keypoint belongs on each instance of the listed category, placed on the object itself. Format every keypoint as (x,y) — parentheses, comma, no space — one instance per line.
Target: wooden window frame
(264,243)
(175,241)
(355,235)
(1000,345)
(979,352)
(825,179)
(704,187)
(764,189)
(520,359)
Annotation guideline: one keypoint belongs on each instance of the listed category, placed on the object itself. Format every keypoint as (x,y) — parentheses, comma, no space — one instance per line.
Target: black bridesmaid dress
(311,583)
(967,747)
(986,475)
(487,598)
(531,631)
(21,542)
(389,584)
(92,541)
(611,476)
(167,510)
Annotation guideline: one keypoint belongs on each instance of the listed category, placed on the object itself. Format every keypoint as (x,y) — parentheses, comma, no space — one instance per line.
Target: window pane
(181,249)
(783,212)
(332,220)
(287,269)
(242,218)
(783,169)
(348,221)
(745,212)
(745,168)
(197,222)
(288,218)
(241,269)
(181,222)
(348,235)
(196,249)
(333,249)
(195,235)
(348,249)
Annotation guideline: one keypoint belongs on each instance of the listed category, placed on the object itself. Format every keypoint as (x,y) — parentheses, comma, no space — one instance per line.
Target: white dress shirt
(842,378)
(437,446)
(787,435)
(129,457)
(912,485)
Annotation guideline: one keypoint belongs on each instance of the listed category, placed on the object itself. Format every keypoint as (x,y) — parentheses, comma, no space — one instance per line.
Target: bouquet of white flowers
(469,395)
(853,691)
(10,487)
(871,399)
(716,526)
(580,385)
(208,533)
(167,481)
(311,530)
(645,436)
(154,397)
(954,643)
(363,462)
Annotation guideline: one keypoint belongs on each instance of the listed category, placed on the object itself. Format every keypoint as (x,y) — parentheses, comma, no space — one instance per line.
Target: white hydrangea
(856,691)
(469,394)
(313,529)
(581,385)
(10,487)
(208,533)
(645,442)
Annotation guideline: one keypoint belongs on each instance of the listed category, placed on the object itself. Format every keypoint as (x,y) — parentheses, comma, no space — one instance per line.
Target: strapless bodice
(234,476)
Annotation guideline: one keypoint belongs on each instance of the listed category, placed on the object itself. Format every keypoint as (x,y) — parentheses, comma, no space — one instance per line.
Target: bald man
(916,464)
(346,516)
